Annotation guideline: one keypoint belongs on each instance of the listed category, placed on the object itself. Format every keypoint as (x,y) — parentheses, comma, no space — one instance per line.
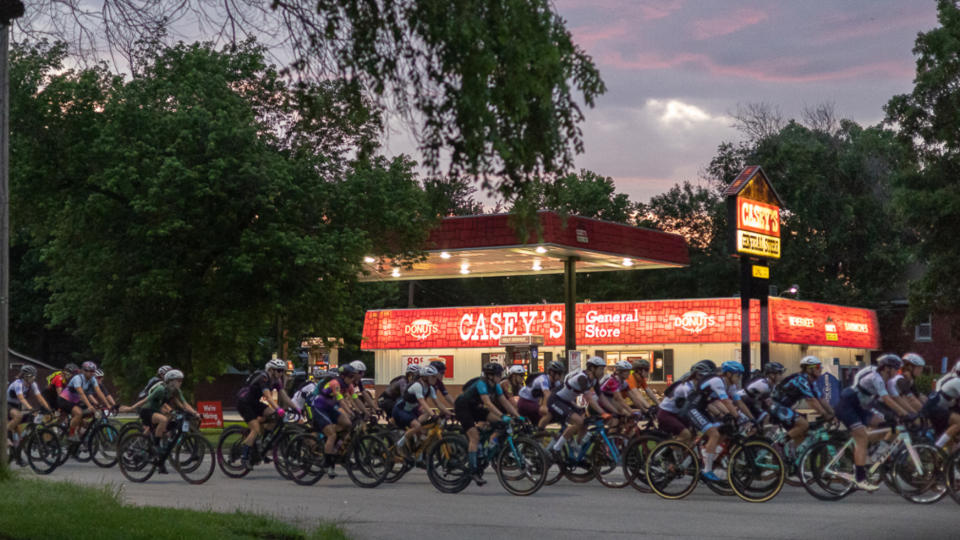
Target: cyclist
(903,387)
(255,401)
(57,380)
(412,411)
(721,397)
(365,400)
(443,395)
(640,394)
(943,411)
(953,374)
(681,398)
(17,403)
(156,379)
(532,398)
(612,387)
(476,404)
(758,397)
(166,393)
(562,403)
(513,382)
(388,398)
(800,386)
(331,412)
(111,403)
(77,396)
(869,387)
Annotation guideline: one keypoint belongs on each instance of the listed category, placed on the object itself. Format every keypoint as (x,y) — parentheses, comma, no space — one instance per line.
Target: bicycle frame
(903,440)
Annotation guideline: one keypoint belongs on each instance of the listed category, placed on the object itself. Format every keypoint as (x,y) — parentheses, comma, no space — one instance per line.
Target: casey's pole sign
(754,212)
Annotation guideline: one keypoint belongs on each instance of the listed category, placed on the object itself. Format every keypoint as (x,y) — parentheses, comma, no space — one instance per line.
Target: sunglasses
(89,370)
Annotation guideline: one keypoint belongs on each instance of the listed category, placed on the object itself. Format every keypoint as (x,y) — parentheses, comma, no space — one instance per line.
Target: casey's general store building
(671,334)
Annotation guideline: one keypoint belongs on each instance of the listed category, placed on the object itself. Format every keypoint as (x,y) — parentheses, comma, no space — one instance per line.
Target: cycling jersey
(396,388)
(304,394)
(636,383)
(253,392)
(160,395)
(945,379)
(678,397)
(869,385)
(331,393)
(480,388)
(794,388)
(575,384)
(534,391)
(440,387)
(757,393)
(509,388)
(18,387)
(898,386)
(150,384)
(70,392)
(414,393)
(715,388)
(611,385)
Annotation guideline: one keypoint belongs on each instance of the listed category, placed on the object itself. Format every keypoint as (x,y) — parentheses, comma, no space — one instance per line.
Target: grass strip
(99,513)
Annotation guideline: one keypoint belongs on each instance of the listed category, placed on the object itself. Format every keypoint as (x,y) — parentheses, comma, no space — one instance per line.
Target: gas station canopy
(487,245)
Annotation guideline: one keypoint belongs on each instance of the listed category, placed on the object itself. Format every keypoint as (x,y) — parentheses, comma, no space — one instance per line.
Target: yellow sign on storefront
(761,272)
(758,244)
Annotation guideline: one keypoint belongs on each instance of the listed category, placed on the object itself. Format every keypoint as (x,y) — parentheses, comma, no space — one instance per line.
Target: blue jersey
(794,388)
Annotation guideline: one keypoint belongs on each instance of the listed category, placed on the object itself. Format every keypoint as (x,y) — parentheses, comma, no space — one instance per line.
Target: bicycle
(642,441)
(39,445)
(517,458)
(364,456)
(190,454)
(98,439)
(435,427)
(271,441)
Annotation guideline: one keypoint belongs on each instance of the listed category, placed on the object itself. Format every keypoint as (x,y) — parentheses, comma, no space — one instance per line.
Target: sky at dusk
(676,69)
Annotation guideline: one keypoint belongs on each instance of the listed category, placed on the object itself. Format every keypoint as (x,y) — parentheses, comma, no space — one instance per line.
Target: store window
(661,362)
(924,330)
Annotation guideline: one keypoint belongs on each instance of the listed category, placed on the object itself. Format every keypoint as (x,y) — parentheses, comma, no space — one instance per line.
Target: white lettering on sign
(594,329)
(805,322)
(421,328)
(492,326)
(856,327)
(759,217)
(694,321)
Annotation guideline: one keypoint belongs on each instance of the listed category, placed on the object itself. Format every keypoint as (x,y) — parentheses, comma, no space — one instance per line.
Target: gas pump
(523,350)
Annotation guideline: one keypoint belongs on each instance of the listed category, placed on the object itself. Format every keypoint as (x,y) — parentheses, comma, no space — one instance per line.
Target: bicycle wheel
(230,452)
(756,471)
(522,467)
(925,485)
(554,471)
(448,465)
(672,470)
(635,460)
(43,451)
(130,428)
(608,461)
(193,458)
(137,458)
(827,486)
(279,453)
(577,463)
(721,463)
(368,461)
(103,445)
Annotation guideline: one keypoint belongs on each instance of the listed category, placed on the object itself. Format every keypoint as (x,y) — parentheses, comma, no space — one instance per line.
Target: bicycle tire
(448,466)
(669,461)
(812,463)
(526,460)
(927,486)
(103,445)
(610,472)
(751,463)
(137,458)
(368,461)
(305,459)
(130,428)
(554,470)
(43,451)
(229,452)
(580,471)
(635,459)
(200,457)
(722,462)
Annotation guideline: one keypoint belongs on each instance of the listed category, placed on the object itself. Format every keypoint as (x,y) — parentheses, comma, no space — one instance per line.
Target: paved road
(413,509)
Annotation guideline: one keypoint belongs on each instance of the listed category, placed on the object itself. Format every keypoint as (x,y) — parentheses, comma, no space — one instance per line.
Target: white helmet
(427,370)
(913,358)
(596,361)
(359,365)
(276,363)
(172,375)
(810,361)
(623,364)
(413,368)
(517,370)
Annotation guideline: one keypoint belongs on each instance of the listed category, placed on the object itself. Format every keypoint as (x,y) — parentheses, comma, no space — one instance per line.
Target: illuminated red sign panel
(711,320)
(758,217)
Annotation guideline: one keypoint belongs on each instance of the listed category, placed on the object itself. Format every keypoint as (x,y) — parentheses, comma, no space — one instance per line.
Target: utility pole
(9,10)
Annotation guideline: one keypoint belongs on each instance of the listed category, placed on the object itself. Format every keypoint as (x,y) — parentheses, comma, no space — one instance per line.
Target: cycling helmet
(427,371)
(516,370)
(439,366)
(413,368)
(596,361)
(731,367)
(276,363)
(913,358)
(773,368)
(623,365)
(162,370)
(72,368)
(348,370)
(28,371)
(555,367)
(951,388)
(704,368)
(89,366)
(889,360)
(98,373)
(359,366)
(493,368)
(172,375)
(810,361)
(641,365)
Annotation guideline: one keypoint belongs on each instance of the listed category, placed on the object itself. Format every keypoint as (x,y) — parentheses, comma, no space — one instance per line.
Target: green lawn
(80,512)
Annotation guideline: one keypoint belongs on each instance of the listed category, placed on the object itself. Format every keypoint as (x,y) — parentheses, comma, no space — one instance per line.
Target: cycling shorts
(146,416)
(850,412)
(386,405)
(671,423)
(529,409)
(469,414)
(66,405)
(785,417)
(321,418)
(402,416)
(939,417)
(701,420)
(561,409)
(251,411)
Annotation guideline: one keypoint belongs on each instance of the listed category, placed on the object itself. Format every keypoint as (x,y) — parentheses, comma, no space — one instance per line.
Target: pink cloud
(846,26)
(777,70)
(727,24)
(588,36)
(649,10)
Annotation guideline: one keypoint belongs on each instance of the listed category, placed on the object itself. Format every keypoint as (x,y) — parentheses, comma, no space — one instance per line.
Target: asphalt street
(413,509)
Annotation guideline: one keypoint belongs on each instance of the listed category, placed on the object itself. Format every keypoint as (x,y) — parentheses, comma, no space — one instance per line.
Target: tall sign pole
(9,10)
(753,217)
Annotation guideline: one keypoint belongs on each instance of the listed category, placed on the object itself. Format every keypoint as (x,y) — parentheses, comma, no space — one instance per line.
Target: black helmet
(641,365)
(439,366)
(556,367)
(71,368)
(493,368)
(28,370)
(889,360)
(705,368)
(773,368)
(347,370)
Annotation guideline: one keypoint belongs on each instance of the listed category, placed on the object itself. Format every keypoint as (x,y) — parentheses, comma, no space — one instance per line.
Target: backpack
(859,377)
(532,377)
(253,376)
(52,376)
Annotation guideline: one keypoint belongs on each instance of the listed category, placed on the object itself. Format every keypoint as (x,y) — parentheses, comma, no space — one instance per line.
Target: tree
(928,122)
(181,213)
(495,86)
